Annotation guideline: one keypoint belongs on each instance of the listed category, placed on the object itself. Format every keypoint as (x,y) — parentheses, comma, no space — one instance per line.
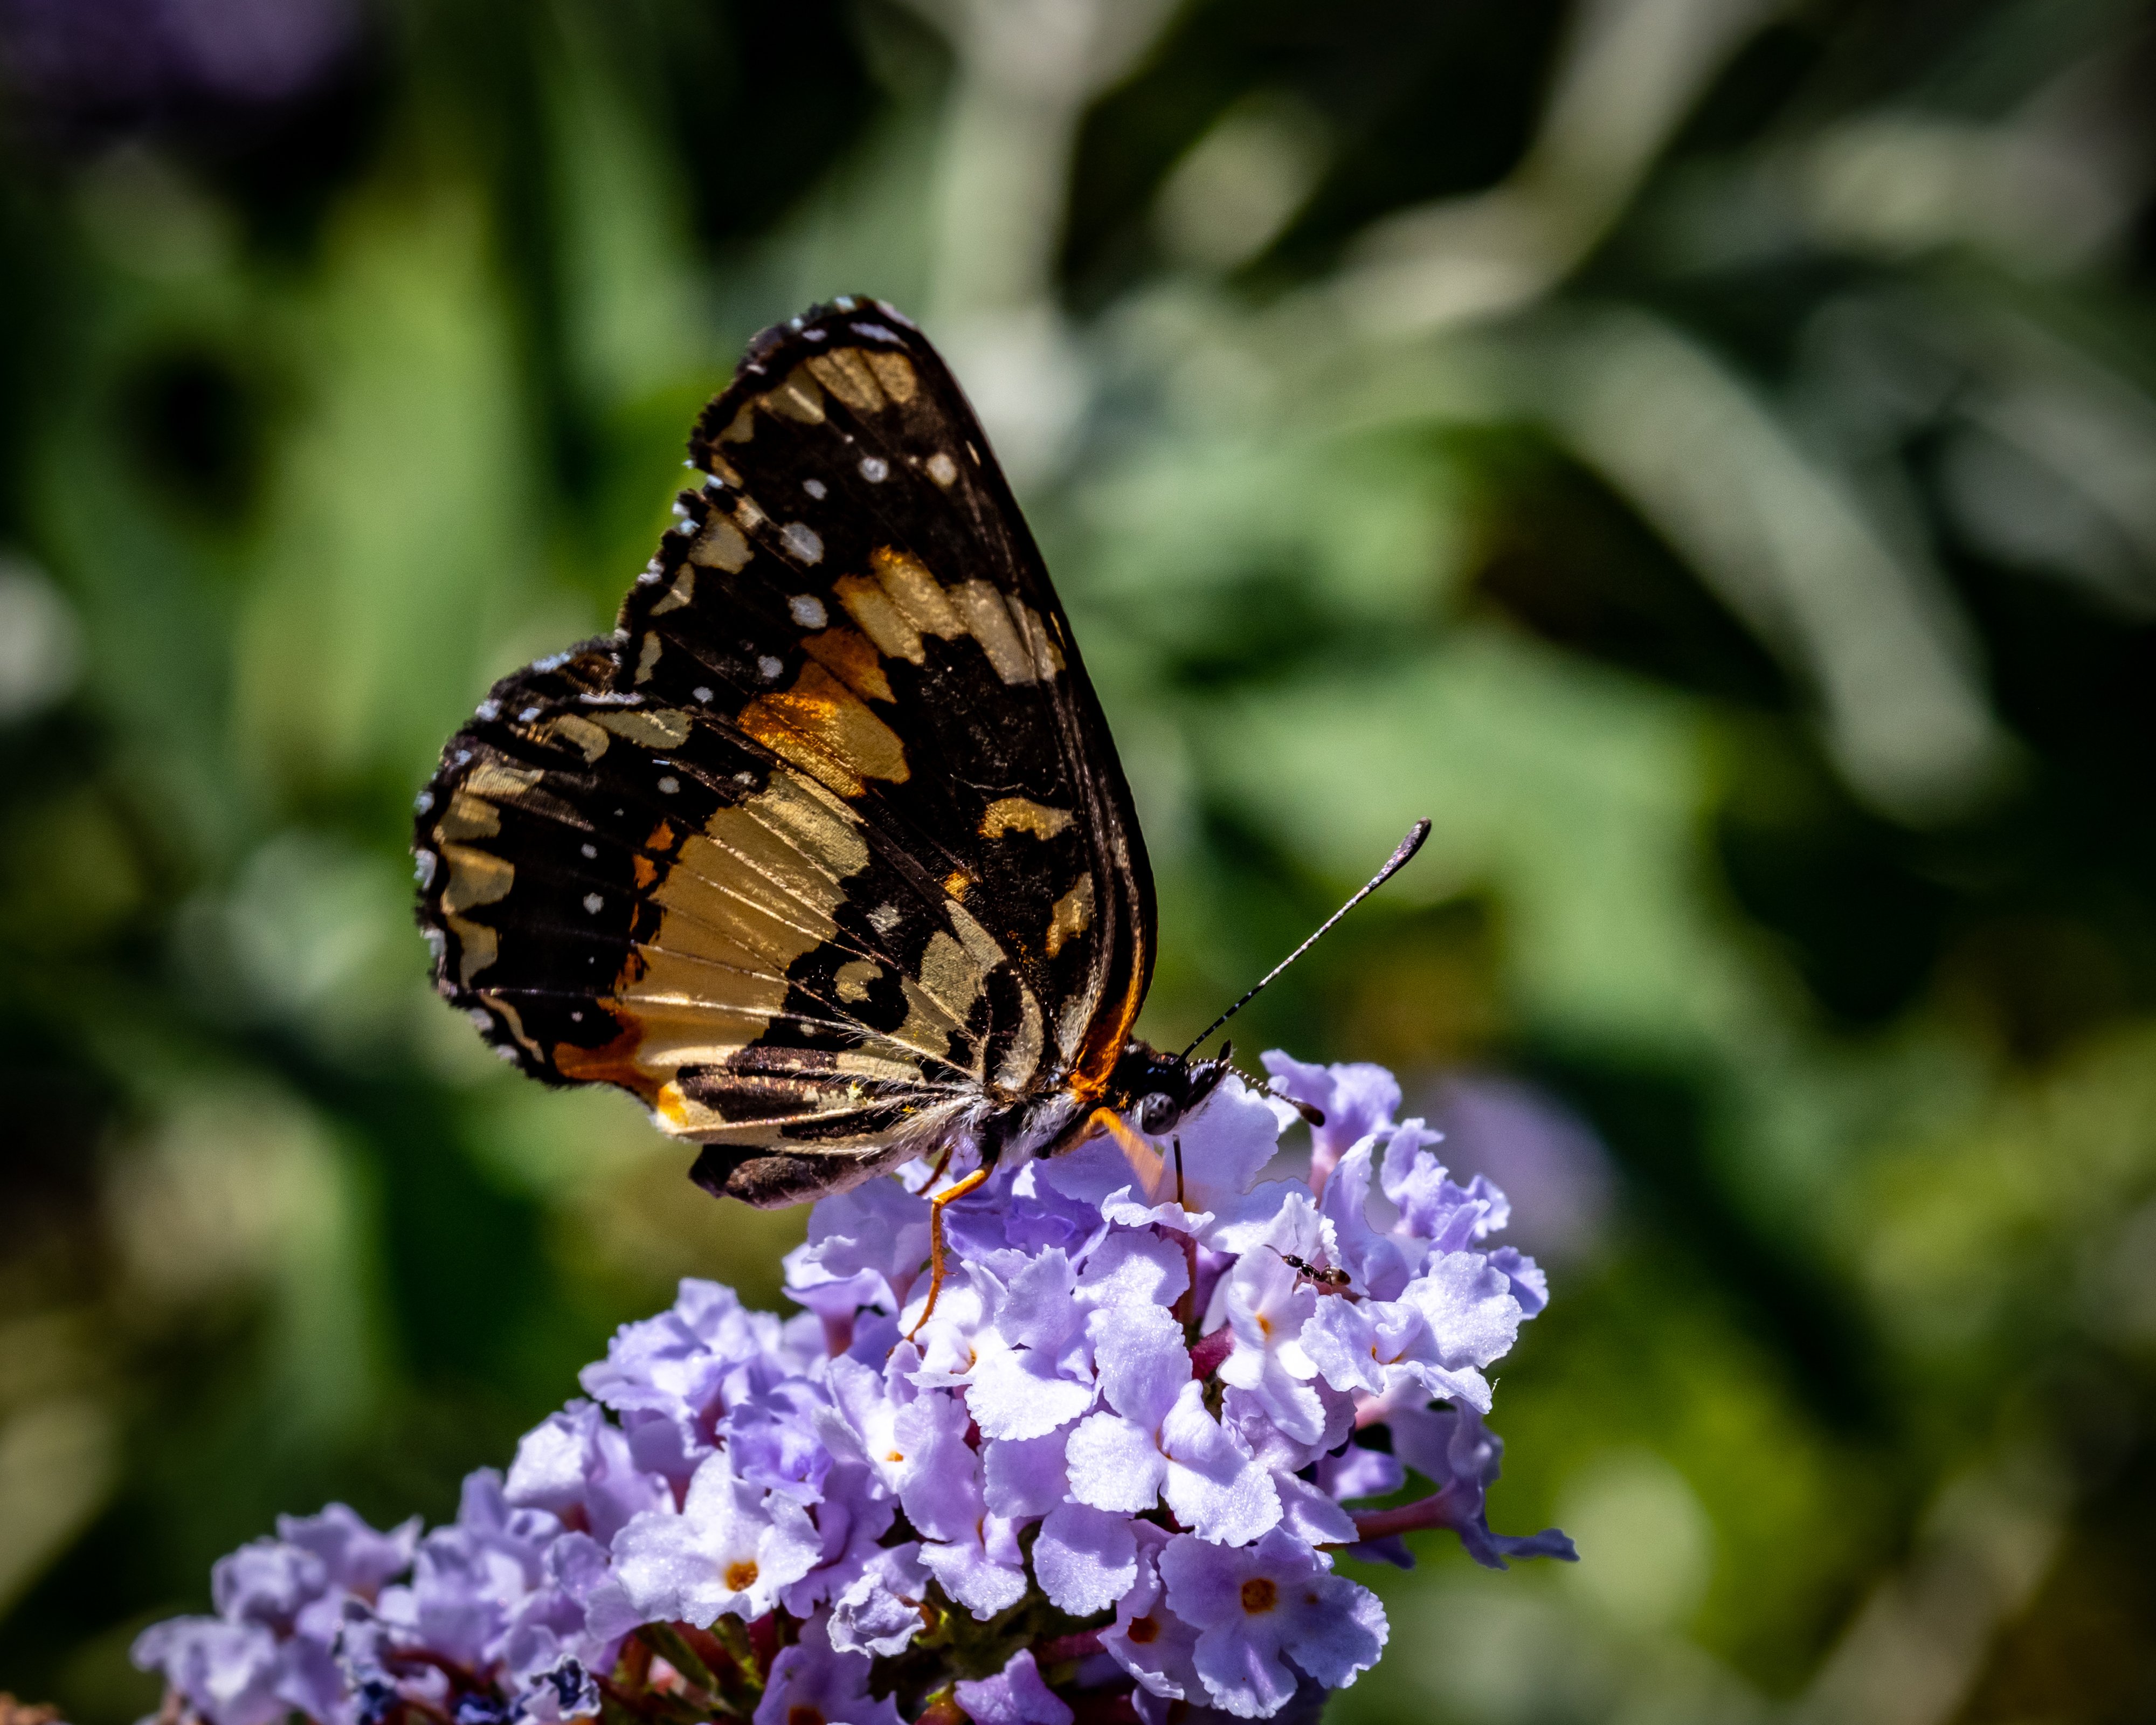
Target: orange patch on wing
(611,1062)
(822,726)
(955,882)
(852,658)
(886,625)
(1022,814)
(914,592)
(1073,915)
(1109,1028)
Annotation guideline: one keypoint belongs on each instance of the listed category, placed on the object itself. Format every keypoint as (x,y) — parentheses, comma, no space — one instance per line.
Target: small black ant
(1330,1280)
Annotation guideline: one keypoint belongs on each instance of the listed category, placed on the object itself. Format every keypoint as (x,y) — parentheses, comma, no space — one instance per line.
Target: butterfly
(825,854)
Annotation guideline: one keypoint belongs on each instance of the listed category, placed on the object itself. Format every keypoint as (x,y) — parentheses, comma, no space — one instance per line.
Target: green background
(1700,453)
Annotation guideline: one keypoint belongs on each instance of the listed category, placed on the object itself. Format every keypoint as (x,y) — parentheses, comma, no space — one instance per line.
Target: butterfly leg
(1145,1161)
(936,1242)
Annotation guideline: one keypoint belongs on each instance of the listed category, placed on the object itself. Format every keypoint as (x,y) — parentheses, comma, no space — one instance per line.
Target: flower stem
(1438,1510)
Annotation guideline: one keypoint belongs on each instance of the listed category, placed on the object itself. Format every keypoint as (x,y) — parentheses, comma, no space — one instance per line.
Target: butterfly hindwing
(829,842)
(676,923)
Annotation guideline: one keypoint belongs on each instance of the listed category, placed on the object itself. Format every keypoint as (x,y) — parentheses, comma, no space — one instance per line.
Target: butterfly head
(1156,1090)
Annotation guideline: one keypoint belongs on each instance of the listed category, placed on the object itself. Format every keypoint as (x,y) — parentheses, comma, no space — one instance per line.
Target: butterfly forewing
(829,842)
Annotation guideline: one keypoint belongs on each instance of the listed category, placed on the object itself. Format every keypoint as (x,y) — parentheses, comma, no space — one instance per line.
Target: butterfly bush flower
(1118,1466)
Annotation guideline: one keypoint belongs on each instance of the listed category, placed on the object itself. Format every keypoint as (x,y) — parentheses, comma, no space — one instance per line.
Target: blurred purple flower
(1545,1156)
(229,1672)
(120,62)
(355,1556)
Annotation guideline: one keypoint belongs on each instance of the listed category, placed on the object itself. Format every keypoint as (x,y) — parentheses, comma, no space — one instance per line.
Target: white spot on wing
(702,692)
(770,667)
(589,850)
(943,469)
(807,610)
(815,488)
(669,784)
(804,542)
(593,903)
(874,469)
(883,918)
(876,332)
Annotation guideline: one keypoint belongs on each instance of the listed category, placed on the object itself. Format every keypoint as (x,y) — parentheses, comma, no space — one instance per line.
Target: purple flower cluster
(1112,1467)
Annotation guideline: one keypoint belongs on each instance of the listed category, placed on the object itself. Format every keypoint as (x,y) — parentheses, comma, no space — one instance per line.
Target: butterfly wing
(828,844)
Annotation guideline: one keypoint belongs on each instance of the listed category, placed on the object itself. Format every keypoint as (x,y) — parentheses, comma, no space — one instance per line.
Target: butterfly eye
(1156,1112)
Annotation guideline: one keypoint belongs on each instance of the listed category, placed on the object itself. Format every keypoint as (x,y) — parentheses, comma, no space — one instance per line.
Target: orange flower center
(1143,1631)
(1260,1594)
(742,1577)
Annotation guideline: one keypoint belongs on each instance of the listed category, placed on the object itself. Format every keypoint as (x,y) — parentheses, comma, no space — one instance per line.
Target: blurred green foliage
(1701,452)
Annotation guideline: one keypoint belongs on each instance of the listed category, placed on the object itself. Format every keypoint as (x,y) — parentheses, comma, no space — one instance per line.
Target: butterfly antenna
(1400,860)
